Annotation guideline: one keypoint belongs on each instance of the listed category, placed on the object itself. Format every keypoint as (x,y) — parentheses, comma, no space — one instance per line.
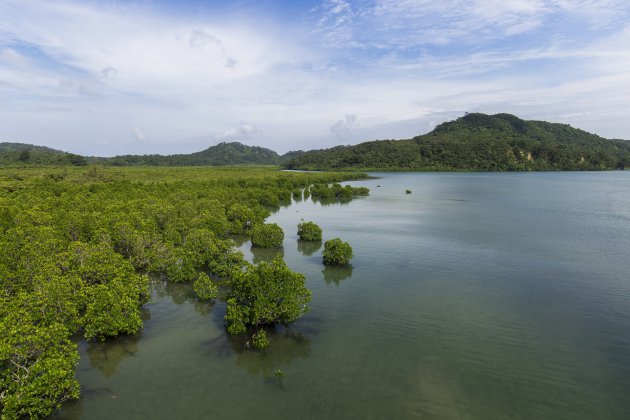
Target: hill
(219,155)
(479,142)
(474,142)
(25,154)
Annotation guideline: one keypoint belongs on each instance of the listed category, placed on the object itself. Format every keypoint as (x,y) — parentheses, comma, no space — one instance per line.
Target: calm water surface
(478,296)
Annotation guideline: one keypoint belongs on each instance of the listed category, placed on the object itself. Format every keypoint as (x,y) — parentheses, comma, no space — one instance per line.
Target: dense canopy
(479,142)
(78,244)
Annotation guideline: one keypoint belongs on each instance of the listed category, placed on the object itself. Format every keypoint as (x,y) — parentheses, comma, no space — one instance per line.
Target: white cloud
(242,133)
(411,23)
(342,128)
(74,75)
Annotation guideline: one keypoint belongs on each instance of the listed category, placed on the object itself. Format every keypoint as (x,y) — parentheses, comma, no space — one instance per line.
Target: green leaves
(267,235)
(267,293)
(75,244)
(260,340)
(309,231)
(204,288)
(323,191)
(113,309)
(36,364)
(337,252)
(240,219)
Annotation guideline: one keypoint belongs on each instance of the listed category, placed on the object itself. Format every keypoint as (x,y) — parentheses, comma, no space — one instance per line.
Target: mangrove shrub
(337,252)
(204,288)
(267,293)
(309,231)
(267,235)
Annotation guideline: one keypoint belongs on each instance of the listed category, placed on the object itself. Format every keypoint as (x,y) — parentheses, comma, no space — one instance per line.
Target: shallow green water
(477,296)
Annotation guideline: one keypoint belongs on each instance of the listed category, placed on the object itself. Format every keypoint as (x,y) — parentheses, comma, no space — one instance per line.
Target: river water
(476,296)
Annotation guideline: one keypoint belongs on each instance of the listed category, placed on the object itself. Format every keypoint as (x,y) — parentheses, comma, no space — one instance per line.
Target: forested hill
(23,154)
(221,154)
(474,142)
(479,142)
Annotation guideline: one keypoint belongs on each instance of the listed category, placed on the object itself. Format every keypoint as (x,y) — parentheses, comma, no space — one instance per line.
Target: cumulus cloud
(392,62)
(243,132)
(342,128)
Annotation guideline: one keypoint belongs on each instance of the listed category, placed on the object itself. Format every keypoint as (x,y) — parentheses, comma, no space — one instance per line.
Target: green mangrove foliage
(260,340)
(309,231)
(204,288)
(267,235)
(324,191)
(265,294)
(77,243)
(37,361)
(337,252)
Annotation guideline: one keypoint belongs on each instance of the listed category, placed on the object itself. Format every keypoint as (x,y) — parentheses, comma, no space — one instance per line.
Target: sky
(105,78)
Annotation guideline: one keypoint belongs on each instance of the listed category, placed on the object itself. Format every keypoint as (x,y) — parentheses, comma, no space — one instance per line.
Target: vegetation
(324,191)
(479,142)
(337,252)
(220,155)
(474,142)
(309,231)
(28,154)
(265,294)
(204,288)
(76,244)
(260,340)
(279,374)
(267,235)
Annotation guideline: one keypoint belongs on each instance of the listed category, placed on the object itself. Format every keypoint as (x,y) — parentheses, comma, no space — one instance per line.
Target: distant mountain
(478,142)
(26,154)
(222,154)
(474,142)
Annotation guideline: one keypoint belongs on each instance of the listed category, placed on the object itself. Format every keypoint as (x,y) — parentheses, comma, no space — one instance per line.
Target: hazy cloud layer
(82,76)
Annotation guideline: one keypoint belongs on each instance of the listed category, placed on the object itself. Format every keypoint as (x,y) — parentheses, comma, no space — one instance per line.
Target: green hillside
(474,142)
(222,154)
(27,154)
(479,142)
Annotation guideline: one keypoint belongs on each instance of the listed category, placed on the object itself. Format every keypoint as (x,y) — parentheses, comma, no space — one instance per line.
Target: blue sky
(110,77)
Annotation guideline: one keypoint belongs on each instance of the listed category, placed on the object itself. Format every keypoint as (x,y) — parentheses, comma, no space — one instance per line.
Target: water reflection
(107,355)
(179,292)
(336,274)
(332,201)
(204,307)
(72,409)
(266,254)
(308,248)
(239,239)
(145,314)
(285,346)
(285,203)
